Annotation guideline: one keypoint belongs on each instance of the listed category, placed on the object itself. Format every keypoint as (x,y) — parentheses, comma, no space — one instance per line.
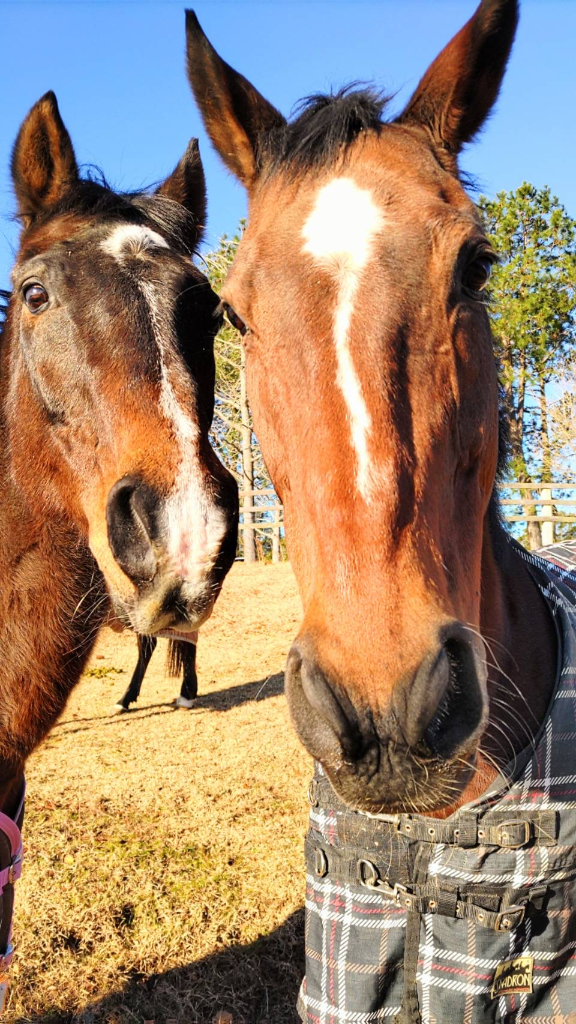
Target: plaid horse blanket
(467,920)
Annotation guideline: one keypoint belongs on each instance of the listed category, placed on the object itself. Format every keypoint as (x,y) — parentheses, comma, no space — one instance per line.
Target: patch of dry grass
(164,873)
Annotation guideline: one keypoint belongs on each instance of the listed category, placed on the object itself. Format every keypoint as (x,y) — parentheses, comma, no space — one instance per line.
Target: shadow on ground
(219,700)
(255,984)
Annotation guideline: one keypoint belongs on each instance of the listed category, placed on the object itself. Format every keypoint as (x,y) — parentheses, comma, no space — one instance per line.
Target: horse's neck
(11,794)
(521,652)
(51,606)
(521,649)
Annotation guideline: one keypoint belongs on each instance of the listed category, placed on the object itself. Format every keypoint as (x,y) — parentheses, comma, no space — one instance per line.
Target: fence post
(534,528)
(276,535)
(547,510)
(248,532)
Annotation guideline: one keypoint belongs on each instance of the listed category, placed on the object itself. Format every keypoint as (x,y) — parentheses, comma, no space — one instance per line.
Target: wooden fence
(539,503)
(536,503)
(267,517)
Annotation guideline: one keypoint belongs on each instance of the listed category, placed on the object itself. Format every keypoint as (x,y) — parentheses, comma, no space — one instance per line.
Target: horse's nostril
(461,708)
(321,697)
(325,720)
(132,516)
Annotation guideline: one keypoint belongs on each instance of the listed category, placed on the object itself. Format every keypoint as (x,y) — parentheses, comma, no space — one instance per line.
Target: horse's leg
(189,688)
(146,646)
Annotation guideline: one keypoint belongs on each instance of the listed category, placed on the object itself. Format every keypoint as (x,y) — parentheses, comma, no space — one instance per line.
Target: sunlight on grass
(164,875)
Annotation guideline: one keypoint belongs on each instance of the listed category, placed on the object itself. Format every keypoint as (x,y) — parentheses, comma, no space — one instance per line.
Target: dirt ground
(163,879)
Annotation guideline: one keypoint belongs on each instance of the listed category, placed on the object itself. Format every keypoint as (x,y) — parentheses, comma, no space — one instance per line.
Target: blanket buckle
(506,837)
(510,918)
(369,878)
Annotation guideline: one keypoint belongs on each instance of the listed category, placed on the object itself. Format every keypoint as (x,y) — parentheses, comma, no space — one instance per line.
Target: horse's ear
(459,89)
(187,186)
(43,161)
(234,112)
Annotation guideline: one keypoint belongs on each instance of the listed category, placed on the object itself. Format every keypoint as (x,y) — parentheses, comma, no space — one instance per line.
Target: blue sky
(118,72)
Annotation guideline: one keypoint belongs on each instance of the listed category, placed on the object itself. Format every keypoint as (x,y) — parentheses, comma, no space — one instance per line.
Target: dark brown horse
(426,650)
(113,502)
(181,659)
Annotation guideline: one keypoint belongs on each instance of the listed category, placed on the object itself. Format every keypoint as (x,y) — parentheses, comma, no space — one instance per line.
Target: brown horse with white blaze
(359,287)
(113,502)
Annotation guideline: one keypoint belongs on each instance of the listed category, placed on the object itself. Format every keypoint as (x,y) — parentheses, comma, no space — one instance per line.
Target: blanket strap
(500,910)
(465,829)
(410,1008)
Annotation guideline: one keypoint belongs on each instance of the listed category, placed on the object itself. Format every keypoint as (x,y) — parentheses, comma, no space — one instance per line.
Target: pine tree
(533,312)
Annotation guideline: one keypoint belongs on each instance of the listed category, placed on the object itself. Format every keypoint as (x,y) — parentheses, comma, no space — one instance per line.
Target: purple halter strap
(8,876)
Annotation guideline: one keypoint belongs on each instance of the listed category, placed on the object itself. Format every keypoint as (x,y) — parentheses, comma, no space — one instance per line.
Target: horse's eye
(234,318)
(477,274)
(35,297)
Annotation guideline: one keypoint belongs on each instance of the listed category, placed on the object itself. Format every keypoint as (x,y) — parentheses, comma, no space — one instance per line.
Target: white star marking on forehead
(132,240)
(339,234)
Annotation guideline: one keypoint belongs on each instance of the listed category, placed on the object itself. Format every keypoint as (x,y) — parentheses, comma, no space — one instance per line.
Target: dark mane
(92,196)
(323,125)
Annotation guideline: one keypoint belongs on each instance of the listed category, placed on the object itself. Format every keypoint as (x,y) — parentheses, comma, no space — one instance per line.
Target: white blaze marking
(195,526)
(339,234)
(132,240)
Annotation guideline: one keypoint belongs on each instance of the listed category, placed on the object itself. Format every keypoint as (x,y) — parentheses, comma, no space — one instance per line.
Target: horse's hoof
(183,702)
(119,709)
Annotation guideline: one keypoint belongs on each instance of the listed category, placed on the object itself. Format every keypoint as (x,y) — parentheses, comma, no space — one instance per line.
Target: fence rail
(267,518)
(540,505)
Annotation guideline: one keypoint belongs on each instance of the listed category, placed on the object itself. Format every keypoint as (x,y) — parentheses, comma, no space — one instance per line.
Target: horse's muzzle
(419,751)
(165,595)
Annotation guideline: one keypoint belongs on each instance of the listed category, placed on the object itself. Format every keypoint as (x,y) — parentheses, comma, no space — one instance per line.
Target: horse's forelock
(92,197)
(322,126)
(170,217)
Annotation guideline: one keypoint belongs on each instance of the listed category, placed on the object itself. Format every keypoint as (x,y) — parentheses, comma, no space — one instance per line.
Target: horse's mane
(322,125)
(93,196)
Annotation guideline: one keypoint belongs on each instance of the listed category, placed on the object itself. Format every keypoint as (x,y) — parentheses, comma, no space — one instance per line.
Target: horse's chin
(190,637)
(433,788)
(167,612)
(120,620)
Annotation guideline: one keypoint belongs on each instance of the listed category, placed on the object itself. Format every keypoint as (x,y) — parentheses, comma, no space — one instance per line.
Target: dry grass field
(163,879)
